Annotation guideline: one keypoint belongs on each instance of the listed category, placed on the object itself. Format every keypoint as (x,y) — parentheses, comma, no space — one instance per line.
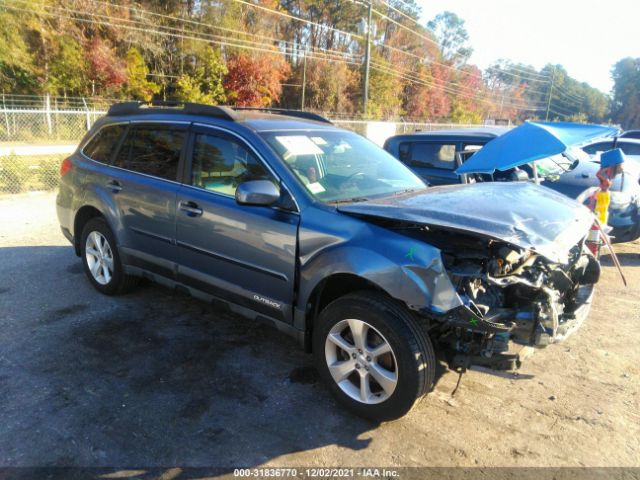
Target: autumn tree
(330,86)
(107,72)
(255,81)
(415,98)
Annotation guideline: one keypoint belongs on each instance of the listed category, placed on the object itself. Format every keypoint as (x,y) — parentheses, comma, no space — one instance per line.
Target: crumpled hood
(523,214)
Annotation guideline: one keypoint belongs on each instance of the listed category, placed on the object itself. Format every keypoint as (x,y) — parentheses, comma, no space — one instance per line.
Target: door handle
(585,175)
(190,208)
(114,186)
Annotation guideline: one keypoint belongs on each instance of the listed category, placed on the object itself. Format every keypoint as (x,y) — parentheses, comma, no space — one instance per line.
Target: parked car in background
(630,134)
(284,218)
(630,146)
(436,155)
(432,155)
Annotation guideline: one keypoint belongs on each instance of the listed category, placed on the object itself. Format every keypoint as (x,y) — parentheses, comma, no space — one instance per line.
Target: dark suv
(288,219)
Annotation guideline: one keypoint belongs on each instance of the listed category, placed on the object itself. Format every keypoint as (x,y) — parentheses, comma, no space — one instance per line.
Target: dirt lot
(157,379)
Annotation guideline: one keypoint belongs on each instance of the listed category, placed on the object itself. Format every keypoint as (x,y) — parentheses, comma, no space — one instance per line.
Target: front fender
(407,269)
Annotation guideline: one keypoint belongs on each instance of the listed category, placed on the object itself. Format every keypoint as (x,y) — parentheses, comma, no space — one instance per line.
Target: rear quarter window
(103,145)
(433,155)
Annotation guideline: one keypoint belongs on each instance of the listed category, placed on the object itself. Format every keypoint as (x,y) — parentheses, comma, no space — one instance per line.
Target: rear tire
(101,259)
(373,355)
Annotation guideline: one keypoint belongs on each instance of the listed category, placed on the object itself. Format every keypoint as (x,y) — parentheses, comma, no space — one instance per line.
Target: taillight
(65,167)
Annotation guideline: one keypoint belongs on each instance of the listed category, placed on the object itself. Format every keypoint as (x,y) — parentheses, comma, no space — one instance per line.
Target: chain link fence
(35,139)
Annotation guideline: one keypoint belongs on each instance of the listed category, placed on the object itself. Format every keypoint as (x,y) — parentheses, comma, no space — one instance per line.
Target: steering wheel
(352,177)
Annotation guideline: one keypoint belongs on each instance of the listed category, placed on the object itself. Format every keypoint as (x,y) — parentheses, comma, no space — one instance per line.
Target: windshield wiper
(350,200)
(406,190)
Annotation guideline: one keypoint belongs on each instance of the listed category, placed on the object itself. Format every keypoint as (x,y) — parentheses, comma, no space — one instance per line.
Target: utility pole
(367,55)
(553,77)
(304,77)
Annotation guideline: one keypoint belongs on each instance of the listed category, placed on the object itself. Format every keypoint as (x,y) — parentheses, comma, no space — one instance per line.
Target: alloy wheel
(361,361)
(99,257)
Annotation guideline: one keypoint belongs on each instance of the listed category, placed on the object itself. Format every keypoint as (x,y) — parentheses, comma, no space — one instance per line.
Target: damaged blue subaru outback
(285,218)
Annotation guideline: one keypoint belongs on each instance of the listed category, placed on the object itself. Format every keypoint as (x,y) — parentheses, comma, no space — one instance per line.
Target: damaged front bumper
(534,304)
(521,325)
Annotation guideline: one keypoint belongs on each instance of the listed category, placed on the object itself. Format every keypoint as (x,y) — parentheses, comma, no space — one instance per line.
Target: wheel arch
(329,289)
(83,215)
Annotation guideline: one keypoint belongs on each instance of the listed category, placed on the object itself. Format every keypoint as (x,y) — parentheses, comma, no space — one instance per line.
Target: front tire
(101,259)
(373,355)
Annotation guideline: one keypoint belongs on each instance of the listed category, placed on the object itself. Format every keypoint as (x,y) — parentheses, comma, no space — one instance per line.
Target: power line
(456,89)
(430,40)
(260,48)
(414,79)
(300,19)
(212,36)
(181,33)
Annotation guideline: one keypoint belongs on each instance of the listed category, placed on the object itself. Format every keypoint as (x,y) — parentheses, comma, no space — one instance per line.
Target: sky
(586,37)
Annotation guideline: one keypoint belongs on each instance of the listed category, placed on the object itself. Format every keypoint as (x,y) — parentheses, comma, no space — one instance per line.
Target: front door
(243,254)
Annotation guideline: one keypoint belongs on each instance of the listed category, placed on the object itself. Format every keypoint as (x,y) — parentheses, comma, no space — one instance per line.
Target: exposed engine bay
(510,294)
(511,266)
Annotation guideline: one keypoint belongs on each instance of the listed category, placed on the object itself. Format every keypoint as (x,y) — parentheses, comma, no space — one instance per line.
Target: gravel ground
(158,379)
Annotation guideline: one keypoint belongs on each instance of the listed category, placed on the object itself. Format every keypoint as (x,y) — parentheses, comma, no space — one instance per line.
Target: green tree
(17,73)
(67,68)
(204,82)
(626,92)
(137,86)
(385,90)
(452,36)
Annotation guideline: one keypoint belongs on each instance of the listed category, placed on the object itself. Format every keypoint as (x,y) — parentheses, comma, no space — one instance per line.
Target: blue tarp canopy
(529,142)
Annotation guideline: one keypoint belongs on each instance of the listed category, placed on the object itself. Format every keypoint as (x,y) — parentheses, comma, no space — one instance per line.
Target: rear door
(435,161)
(144,184)
(243,254)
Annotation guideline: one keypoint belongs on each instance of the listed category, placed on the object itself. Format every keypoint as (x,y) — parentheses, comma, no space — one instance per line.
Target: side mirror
(257,192)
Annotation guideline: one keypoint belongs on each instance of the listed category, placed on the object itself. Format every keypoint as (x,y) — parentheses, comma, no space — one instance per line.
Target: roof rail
(287,112)
(226,113)
(136,108)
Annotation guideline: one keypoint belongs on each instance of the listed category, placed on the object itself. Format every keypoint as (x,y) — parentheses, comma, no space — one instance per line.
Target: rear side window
(152,151)
(220,165)
(629,148)
(598,147)
(102,146)
(434,155)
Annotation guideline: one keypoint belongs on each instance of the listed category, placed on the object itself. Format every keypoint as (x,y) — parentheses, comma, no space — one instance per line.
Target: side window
(433,155)
(598,147)
(472,147)
(152,151)
(220,164)
(630,148)
(102,146)
(403,152)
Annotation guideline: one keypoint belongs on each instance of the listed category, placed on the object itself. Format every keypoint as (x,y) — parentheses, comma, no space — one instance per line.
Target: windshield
(340,166)
(552,167)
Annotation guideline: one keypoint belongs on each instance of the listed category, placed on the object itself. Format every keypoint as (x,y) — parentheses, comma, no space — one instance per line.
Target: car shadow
(627,259)
(154,378)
